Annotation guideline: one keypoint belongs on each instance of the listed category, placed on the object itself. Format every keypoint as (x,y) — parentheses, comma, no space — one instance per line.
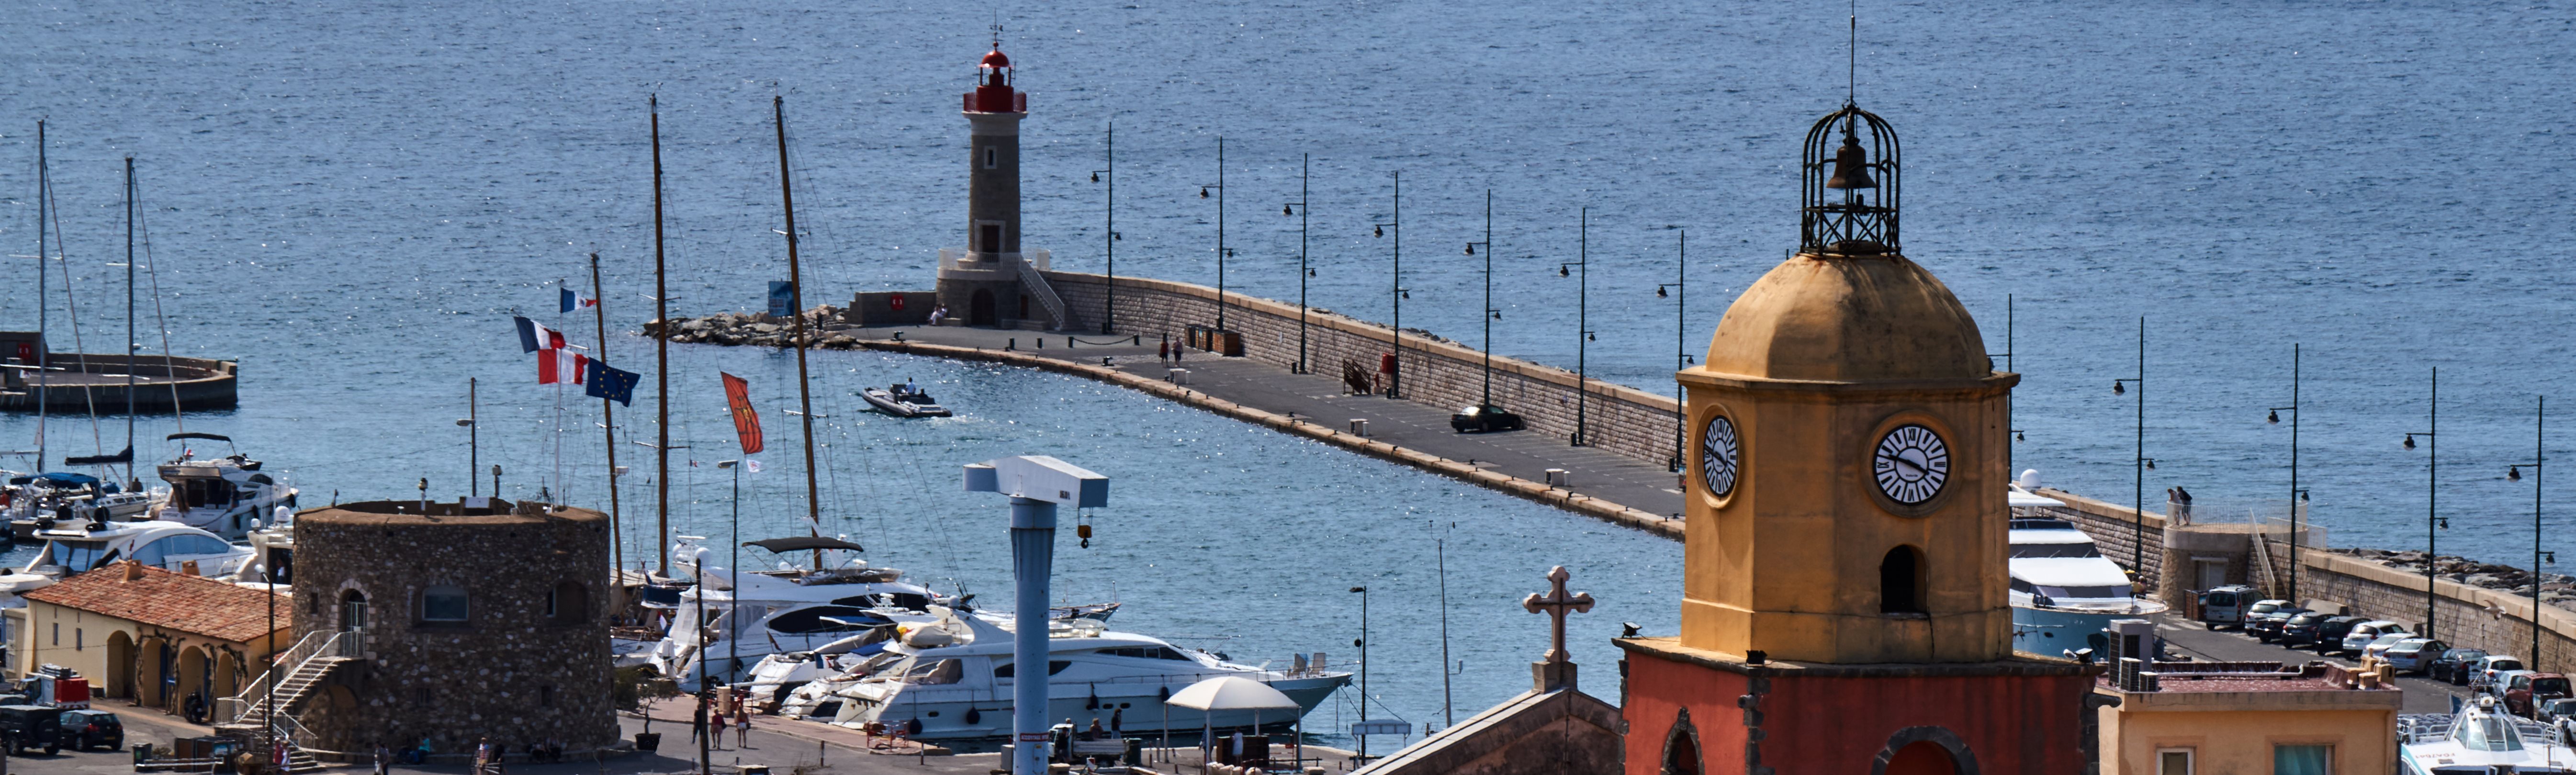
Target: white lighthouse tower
(993,280)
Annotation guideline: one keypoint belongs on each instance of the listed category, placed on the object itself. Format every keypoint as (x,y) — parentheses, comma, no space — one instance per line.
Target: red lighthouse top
(993,92)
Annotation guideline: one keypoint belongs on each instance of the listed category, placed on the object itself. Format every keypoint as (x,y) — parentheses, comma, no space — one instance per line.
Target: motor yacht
(33,502)
(904,399)
(2479,739)
(71,549)
(756,613)
(2063,590)
(222,495)
(954,678)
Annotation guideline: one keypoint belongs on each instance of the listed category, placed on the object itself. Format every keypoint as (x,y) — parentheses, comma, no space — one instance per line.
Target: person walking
(1115,717)
(384,759)
(742,729)
(698,721)
(716,727)
(1163,352)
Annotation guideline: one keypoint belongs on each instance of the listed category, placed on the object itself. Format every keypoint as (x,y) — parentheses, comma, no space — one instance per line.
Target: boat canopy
(206,436)
(59,479)
(803,543)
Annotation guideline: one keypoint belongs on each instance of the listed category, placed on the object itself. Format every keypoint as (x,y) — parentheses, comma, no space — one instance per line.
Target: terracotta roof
(173,601)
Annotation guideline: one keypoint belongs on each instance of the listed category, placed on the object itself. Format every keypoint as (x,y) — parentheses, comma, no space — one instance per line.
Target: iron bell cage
(1849,186)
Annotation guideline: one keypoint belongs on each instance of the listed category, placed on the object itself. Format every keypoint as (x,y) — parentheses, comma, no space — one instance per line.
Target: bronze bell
(1851,167)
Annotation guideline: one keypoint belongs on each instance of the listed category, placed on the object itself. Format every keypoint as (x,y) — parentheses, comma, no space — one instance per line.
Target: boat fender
(1094,702)
(974,716)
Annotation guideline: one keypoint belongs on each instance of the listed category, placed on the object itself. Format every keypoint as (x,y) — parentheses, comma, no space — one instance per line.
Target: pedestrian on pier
(742,729)
(716,727)
(1163,352)
(698,721)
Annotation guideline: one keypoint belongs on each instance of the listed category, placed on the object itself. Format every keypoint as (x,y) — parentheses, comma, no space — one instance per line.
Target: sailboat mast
(796,296)
(661,364)
(132,481)
(608,425)
(44,348)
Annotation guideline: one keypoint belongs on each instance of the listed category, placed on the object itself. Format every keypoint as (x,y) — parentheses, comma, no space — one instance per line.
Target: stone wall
(1616,418)
(2465,616)
(529,662)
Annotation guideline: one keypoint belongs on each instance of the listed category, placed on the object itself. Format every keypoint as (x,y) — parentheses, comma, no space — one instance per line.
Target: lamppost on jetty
(1361,643)
(1298,208)
(1486,402)
(1109,241)
(1582,326)
(1395,329)
(1221,250)
(2539,436)
(2273,417)
(2143,464)
(2433,521)
(1681,336)
(1036,485)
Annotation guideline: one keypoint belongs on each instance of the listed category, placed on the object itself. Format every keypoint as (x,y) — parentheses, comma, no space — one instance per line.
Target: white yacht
(222,495)
(954,678)
(2478,740)
(2063,589)
(757,613)
(74,549)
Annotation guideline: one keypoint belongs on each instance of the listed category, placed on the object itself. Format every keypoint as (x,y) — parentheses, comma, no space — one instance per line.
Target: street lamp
(1221,252)
(1395,330)
(1681,336)
(2433,521)
(1582,325)
(733,576)
(2138,515)
(1362,645)
(1486,403)
(2273,417)
(1109,243)
(2539,436)
(1298,208)
(474,438)
(268,718)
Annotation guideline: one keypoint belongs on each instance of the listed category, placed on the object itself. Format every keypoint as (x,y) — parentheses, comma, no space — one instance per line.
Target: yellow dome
(1848,319)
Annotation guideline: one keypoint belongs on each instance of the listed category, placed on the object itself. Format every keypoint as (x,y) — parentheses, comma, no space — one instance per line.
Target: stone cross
(1557,604)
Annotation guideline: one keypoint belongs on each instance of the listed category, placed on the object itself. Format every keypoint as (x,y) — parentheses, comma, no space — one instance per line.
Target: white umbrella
(1228,693)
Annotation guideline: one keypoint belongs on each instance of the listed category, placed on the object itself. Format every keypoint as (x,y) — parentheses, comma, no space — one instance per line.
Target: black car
(2329,638)
(2453,666)
(2268,627)
(1485,418)
(30,726)
(84,729)
(2301,629)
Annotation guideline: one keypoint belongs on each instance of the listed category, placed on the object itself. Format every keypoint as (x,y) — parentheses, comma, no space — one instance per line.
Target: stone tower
(455,625)
(1845,556)
(988,283)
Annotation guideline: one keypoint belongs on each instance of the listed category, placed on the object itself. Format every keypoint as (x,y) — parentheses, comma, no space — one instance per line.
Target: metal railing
(312,646)
(1036,283)
(951,258)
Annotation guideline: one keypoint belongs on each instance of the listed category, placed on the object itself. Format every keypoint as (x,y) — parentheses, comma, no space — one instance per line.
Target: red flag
(746,423)
(560,365)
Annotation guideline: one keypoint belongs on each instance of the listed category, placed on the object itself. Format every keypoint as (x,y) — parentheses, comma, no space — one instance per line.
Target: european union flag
(612,384)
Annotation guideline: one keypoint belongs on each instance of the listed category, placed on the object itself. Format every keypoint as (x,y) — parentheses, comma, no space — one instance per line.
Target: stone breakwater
(2556,589)
(823,330)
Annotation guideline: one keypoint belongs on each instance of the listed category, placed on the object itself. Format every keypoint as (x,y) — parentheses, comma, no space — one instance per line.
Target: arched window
(443,604)
(1900,581)
(1681,747)
(569,603)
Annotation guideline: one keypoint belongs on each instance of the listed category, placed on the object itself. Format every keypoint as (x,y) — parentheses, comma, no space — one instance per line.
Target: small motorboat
(904,399)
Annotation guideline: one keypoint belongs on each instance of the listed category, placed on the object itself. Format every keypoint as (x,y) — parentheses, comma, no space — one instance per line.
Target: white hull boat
(903,400)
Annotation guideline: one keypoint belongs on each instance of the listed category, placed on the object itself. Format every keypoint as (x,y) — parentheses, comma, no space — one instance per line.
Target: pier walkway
(1597,482)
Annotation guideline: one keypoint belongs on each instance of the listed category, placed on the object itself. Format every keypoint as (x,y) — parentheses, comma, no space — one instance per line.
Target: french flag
(573,301)
(560,366)
(534,336)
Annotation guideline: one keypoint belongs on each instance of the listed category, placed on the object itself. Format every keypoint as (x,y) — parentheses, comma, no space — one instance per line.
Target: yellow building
(2223,718)
(149,634)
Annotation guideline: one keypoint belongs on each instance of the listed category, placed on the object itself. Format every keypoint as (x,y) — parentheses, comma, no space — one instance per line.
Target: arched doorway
(1900,582)
(353,620)
(979,308)
(120,665)
(196,675)
(155,673)
(1922,757)
(228,674)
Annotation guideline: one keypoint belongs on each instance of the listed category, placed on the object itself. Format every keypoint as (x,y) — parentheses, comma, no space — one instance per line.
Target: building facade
(158,638)
(2228,717)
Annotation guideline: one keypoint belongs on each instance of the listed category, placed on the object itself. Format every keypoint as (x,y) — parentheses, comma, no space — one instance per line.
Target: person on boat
(909,388)
(1115,717)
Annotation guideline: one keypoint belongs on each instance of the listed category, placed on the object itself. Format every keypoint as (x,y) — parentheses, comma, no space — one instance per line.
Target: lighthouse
(993,280)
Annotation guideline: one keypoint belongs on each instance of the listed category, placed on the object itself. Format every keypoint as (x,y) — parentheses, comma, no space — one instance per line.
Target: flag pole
(796,295)
(608,425)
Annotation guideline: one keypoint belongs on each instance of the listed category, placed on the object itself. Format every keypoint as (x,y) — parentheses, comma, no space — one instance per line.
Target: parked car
(85,729)
(30,726)
(2363,634)
(2452,667)
(2302,629)
(2412,654)
(2526,692)
(2503,682)
(2378,647)
(2329,637)
(2267,628)
(1485,418)
(2226,605)
(2560,715)
(2482,673)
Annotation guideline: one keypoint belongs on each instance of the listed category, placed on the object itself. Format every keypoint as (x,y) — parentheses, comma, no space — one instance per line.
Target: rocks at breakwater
(2555,588)
(824,329)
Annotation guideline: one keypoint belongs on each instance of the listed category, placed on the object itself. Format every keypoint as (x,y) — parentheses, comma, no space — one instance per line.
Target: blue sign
(782,298)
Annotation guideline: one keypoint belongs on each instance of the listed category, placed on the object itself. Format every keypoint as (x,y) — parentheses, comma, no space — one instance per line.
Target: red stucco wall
(2011,724)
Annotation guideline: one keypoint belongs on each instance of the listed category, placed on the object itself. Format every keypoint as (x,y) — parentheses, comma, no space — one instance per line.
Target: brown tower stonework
(476,623)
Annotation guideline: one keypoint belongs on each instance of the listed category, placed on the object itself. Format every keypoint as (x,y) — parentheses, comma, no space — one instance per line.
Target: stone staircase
(1036,283)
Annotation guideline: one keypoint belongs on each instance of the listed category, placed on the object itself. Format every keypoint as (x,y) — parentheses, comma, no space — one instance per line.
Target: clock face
(1717,448)
(1911,464)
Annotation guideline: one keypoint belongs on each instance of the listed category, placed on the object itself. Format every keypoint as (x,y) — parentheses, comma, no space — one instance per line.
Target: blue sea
(353,197)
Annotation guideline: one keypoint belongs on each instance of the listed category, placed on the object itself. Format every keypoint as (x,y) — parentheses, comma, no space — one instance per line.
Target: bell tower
(1844,591)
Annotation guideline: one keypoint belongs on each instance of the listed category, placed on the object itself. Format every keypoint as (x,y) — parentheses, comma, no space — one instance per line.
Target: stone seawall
(1615,418)
(2465,616)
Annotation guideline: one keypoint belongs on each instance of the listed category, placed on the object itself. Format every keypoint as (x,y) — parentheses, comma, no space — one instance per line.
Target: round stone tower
(454,625)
